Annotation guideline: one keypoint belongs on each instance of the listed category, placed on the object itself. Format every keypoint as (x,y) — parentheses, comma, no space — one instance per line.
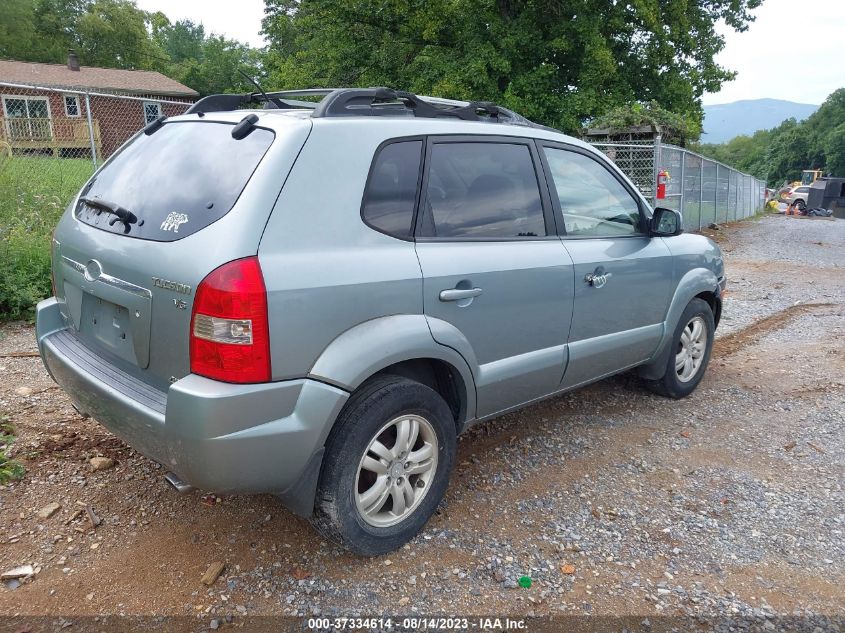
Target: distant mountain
(724,121)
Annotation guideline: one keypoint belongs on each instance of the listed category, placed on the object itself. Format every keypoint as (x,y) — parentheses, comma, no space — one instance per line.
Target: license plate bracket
(112,312)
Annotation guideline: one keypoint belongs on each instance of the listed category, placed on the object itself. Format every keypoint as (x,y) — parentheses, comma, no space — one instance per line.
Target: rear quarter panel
(325,270)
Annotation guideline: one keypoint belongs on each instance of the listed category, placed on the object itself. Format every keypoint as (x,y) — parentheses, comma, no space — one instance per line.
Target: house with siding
(45,107)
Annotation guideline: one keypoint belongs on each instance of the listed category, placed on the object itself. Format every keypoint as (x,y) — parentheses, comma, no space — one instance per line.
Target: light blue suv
(314,299)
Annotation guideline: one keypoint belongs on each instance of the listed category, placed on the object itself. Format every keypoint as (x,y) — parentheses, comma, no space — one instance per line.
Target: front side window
(482,190)
(593,202)
(72,105)
(152,110)
(391,192)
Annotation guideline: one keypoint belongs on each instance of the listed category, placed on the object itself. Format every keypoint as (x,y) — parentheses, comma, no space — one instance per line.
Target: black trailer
(828,193)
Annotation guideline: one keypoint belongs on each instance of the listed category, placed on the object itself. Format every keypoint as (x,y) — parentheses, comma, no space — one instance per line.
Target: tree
(111,33)
(17,30)
(780,154)
(219,66)
(180,41)
(557,62)
(207,63)
(834,150)
(114,33)
(117,34)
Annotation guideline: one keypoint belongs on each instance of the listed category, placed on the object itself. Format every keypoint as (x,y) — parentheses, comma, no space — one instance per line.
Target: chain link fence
(703,190)
(37,122)
(637,160)
(51,141)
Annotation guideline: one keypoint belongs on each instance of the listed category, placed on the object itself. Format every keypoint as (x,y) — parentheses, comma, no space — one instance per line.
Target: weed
(9,468)
(33,194)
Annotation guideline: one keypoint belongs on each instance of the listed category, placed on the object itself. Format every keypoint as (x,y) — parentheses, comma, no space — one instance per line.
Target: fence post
(657,165)
(716,197)
(737,210)
(700,191)
(681,206)
(91,129)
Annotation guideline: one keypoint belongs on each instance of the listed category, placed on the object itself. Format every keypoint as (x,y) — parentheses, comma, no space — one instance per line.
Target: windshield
(176,181)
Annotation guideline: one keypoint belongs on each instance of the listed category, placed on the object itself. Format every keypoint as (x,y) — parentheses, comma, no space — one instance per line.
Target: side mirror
(666,222)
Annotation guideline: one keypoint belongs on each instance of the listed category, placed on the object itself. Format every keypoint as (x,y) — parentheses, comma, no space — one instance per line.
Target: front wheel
(690,353)
(800,205)
(386,466)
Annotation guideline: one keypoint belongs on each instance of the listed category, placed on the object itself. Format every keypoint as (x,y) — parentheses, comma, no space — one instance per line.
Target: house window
(72,105)
(27,118)
(152,110)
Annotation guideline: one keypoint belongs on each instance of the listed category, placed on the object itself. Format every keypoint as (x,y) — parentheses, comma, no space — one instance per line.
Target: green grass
(9,468)
(34,191)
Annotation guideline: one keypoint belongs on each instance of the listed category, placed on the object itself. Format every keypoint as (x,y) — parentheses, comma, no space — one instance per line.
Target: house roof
(92,78)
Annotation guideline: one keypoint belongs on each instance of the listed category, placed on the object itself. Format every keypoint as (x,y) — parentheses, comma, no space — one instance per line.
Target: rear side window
(482,190)
(391,192)
(176,181)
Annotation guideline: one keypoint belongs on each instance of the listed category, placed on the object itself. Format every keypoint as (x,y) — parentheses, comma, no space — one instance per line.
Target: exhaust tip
(180,486)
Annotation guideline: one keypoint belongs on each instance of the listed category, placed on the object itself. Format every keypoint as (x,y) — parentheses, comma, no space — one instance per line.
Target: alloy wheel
(396,470)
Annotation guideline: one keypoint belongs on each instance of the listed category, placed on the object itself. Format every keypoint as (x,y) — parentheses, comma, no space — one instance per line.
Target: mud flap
(299,498)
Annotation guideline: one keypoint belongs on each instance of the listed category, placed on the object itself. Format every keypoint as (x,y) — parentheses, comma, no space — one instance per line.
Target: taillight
(230,338)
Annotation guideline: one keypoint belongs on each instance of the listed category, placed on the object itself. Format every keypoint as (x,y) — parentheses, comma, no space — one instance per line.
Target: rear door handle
(457,294)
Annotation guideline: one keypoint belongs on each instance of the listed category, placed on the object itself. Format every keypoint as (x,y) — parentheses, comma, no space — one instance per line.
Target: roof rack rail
(379,101)
(229,102)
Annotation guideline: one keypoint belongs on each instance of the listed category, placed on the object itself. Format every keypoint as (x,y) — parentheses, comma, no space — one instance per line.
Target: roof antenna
(275,101)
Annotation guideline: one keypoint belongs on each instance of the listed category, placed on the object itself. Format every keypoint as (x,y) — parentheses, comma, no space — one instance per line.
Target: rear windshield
(175,181)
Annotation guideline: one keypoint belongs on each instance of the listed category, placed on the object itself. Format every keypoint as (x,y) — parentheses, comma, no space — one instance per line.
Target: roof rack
(348,102)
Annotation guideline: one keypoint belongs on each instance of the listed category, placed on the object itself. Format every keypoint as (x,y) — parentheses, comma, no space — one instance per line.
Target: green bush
(34,192)
(9,468)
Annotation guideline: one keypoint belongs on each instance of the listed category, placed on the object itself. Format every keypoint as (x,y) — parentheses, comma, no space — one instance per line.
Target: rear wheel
(690,353)
(800,205)
(386,466)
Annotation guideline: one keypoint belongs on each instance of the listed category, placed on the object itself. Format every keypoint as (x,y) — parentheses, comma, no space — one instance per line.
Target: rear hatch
(160,215)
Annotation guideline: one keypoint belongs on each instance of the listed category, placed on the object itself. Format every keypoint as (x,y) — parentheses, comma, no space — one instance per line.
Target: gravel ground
(614,501)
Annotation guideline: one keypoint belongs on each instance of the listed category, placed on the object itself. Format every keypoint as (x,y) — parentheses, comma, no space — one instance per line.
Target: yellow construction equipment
(809,176)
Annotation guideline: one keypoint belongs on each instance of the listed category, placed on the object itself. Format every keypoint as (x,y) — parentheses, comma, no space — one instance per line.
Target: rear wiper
(123,215)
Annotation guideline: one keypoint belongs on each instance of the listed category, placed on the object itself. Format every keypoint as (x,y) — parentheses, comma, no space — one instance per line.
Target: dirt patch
(76,445)
(732,343)
(729,502)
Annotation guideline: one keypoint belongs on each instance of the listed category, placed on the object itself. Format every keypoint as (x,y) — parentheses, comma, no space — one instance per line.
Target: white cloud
(239,20)
(793,51)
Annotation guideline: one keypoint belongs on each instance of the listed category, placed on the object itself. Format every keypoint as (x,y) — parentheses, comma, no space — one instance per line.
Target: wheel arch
(697,283)
(404,347)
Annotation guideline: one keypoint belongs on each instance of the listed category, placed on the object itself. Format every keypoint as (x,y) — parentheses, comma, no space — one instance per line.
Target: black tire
(800,205)
(670,384)
(374,404)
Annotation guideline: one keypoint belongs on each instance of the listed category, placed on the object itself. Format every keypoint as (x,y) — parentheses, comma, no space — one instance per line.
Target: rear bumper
(215,436)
